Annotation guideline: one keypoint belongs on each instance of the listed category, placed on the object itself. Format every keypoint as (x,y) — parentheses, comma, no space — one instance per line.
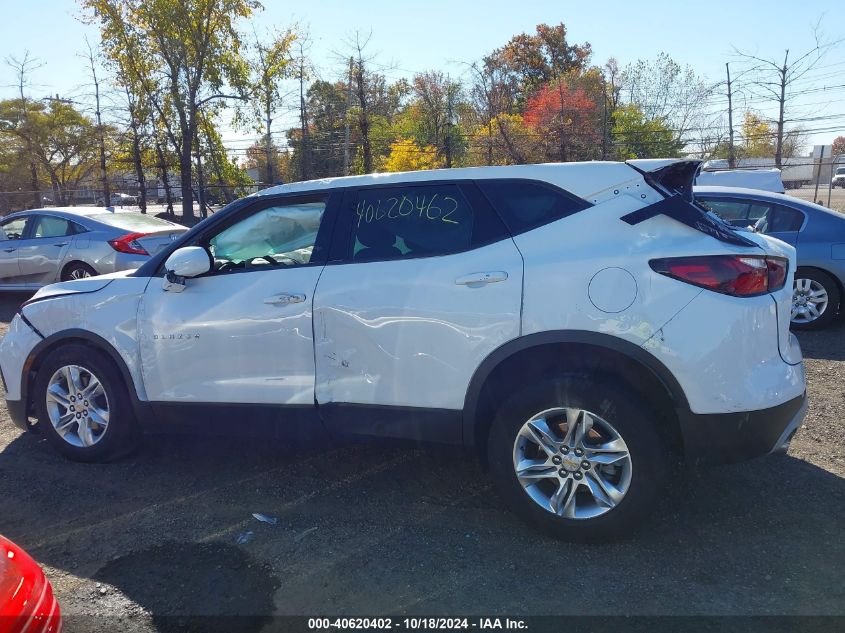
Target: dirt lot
(368,529)
(837,196)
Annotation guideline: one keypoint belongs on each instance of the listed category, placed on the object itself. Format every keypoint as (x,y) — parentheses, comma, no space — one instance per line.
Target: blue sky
(441,34)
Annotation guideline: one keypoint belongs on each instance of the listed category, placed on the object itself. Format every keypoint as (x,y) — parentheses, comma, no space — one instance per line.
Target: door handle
(284,299)
(481,279)
(60,244)
(10,250)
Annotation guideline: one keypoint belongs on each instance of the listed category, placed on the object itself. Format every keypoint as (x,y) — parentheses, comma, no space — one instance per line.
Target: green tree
(189,48)
(269,63)
(635,136)
(758,137)
(63,140)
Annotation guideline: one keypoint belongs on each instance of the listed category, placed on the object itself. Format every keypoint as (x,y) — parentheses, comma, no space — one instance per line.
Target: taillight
(736,275)
(129,244)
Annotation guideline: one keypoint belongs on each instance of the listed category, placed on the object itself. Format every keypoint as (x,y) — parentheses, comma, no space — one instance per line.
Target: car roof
(780,198)
(584,179)
(70,212)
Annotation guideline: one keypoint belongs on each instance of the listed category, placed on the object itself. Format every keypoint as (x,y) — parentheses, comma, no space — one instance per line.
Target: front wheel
(578,457)
(82,405)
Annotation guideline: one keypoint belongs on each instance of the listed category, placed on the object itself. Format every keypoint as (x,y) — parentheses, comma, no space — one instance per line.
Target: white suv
(578,325)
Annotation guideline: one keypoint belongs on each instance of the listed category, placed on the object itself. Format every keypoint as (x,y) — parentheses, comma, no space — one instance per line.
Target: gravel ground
(837,196)
(168,533)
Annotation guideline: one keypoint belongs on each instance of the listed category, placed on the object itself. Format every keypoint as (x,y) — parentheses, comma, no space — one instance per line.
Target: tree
(758,137)
(189,47)
(775,80)
(838,146)
(406,155)
(269,63)
(664,90)
(62,139)
(23,67)
(565,121)
(636,136)
(101,137)
(437,101)
(526,62)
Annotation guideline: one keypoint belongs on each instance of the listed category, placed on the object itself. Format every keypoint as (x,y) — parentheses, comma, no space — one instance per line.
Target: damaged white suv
(578,325)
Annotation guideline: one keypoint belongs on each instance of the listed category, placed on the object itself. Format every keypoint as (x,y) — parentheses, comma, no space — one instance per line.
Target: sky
(447,34)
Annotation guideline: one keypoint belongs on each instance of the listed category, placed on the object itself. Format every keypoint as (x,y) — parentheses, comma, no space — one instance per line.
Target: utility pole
(303,119)
(269,147)
(346,118)
(447,142)
(819,175)
(782,105)
(731,150)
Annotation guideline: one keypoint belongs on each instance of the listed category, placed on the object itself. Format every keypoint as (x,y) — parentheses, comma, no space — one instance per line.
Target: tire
(811,287)
(608,402)
(77,270)
(102,442)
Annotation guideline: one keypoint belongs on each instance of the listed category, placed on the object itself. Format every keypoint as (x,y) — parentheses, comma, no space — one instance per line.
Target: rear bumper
(734,437)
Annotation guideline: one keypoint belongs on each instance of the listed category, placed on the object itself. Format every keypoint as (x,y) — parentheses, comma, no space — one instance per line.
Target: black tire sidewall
(833,298)
(630,416)
(66,276)
(120,433)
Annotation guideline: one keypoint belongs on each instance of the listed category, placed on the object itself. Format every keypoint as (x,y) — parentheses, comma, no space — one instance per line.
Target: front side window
(280,235)
(13,229)
(49,226)
(410,221)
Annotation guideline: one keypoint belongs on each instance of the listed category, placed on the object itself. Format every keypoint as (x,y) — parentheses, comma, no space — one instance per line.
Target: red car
(26,597)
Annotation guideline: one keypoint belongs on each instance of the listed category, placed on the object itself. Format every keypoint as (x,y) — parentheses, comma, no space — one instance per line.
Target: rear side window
(525,205)
(780,220)
(411,221)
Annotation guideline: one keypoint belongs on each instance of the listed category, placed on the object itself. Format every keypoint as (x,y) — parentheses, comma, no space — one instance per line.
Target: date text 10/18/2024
(417,623)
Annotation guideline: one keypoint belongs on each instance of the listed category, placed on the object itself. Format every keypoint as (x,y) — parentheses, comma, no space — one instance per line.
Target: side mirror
(184,263)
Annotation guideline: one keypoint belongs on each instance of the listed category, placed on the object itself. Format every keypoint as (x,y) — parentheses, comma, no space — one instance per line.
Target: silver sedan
(43,246)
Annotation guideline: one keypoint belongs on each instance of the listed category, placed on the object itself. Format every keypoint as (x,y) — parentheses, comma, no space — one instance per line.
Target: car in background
(119,200)
(42,246)
(765,179)
(817,233)
(27,603)
(838,179)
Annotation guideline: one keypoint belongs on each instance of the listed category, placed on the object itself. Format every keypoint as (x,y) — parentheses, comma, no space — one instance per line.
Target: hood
(77,286)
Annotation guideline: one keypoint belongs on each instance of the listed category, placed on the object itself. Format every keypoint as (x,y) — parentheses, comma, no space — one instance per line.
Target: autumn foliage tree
(838,145)
(564,121)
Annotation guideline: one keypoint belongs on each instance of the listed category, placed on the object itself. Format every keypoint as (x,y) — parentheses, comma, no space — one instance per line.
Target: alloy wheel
(77,406)
(80,273)
(809,300)
(572,463)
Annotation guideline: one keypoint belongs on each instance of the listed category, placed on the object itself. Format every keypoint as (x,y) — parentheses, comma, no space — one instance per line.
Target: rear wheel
(82,405)
(815,299)
(77,270)
(578,457)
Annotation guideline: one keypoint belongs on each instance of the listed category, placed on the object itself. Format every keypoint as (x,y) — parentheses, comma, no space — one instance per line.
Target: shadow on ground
(371,529)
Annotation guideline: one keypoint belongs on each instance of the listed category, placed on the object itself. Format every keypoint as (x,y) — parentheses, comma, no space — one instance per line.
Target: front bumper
(735,437)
